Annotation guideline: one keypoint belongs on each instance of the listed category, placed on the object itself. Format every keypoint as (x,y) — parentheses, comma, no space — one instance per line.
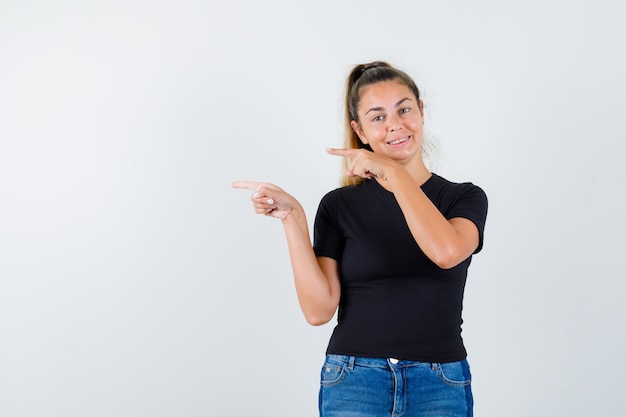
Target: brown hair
(361,76)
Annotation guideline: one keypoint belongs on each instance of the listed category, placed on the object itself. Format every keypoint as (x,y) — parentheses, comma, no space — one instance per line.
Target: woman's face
(391,120)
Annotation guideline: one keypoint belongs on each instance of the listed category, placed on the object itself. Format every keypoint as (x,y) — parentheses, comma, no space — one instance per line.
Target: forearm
(318,294)
(434,234)
(317,282)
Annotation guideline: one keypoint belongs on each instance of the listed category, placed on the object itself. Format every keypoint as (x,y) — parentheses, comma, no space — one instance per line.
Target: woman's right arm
(316,278)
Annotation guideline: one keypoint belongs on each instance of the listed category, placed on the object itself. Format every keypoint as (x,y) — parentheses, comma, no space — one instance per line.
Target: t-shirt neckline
(383,191)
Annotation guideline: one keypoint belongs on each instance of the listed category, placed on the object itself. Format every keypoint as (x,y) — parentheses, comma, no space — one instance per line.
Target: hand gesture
(269,199)
(364,163)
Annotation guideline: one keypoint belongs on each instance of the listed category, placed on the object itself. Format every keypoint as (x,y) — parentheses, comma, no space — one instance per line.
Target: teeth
(395,142)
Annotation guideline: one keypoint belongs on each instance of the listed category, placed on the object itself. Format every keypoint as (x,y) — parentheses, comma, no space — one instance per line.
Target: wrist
(393,174)
(294,215)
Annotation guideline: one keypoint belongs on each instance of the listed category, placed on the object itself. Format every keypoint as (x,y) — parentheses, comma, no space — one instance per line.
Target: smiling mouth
(398,141)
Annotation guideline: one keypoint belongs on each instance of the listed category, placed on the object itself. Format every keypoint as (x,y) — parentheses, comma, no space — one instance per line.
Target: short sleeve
(327,237)
(470,203)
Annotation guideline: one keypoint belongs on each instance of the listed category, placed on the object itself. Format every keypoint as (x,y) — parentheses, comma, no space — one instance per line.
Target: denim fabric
(377,387)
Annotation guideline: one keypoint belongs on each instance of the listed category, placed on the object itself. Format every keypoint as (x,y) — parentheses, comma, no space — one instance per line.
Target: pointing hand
(269,199)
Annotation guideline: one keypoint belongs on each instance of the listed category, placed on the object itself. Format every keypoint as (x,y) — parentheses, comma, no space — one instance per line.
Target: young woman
(391,251)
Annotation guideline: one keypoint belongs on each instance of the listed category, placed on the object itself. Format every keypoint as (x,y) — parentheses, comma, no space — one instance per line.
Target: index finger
(341,151)
(247,185)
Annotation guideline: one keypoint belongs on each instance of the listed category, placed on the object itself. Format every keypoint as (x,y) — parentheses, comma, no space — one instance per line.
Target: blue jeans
(378,387)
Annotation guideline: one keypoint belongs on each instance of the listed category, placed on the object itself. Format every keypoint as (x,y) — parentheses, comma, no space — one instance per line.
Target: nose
(393,122)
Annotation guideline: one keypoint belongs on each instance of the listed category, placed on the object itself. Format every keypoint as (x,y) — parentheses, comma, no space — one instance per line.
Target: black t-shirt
(395,302)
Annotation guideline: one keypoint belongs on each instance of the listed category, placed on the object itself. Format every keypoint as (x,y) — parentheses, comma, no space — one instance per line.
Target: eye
(378,118)
(405,110)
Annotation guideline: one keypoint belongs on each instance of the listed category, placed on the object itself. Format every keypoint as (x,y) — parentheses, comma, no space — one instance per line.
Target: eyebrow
(382,108)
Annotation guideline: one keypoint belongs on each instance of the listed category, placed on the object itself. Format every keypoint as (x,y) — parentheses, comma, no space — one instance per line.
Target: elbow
(316,322)
(318,319)
(446,259)
(446,264)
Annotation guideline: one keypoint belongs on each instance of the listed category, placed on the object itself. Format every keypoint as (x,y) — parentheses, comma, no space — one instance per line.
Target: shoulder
(443,188)
(347,199)
(460,199)
(456,198)
(348,192)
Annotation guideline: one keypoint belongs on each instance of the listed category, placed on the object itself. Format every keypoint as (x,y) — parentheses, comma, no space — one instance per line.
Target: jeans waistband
(374,362)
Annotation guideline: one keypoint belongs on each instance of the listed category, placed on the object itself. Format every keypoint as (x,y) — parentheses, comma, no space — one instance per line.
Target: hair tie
(367,67)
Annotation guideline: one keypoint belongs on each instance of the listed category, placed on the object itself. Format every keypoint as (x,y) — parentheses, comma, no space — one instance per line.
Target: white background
(135,282)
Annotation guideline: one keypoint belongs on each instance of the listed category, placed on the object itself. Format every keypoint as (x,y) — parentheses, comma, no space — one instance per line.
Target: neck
(417,169)
(421,176)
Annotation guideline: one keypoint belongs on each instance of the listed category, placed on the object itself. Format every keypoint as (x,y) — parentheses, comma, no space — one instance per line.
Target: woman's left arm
(445,242)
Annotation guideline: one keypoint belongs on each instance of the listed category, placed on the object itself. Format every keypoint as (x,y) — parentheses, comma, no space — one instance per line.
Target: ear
(421,106)
(359,132)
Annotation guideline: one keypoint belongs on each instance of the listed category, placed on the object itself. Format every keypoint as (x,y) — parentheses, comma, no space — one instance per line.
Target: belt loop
(351,362)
